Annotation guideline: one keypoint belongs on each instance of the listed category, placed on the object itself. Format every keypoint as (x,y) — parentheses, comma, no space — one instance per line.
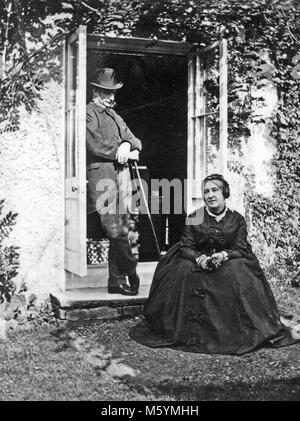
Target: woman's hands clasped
(205,262)
(217,259)
(210,263)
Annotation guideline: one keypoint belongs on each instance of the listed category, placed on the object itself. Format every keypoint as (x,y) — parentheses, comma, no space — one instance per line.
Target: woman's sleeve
(239,247)
(188,245)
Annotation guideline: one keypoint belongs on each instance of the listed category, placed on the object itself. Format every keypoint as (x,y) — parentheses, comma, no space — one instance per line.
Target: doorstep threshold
(84,298)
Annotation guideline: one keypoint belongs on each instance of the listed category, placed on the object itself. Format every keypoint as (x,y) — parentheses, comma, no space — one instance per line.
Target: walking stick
(147,208)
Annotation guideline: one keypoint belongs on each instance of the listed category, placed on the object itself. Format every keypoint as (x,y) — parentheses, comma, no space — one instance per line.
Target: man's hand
(123,153)
(134,155)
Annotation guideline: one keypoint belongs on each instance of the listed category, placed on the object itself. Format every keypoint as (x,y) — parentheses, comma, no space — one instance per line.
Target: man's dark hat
(106,79)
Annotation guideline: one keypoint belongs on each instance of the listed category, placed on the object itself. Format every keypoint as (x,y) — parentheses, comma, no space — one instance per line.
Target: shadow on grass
(277,390)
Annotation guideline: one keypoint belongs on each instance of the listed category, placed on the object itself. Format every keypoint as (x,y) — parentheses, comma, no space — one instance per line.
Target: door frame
(75,152)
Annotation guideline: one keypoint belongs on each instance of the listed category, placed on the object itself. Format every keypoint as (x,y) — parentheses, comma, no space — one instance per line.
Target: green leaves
(296,72)
(9,255)
(6,224)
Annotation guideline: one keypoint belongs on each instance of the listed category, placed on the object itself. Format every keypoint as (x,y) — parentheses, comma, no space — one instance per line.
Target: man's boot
(116,281)
(134,282)
(117,285)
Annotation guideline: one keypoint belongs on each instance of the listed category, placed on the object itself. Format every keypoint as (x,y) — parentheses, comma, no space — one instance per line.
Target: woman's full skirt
(230,310)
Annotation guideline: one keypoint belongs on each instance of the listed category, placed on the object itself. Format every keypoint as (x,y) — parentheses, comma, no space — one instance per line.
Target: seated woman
(209,293)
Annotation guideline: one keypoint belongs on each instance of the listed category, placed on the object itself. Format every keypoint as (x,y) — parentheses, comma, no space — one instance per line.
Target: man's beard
(112,104)
(108,104)
(105,102)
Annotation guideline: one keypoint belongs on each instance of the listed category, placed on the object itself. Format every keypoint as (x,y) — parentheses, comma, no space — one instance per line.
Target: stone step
(97,276)
(88,303)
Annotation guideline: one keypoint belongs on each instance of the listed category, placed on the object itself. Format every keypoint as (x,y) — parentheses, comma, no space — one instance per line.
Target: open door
(197,115)
(75,152)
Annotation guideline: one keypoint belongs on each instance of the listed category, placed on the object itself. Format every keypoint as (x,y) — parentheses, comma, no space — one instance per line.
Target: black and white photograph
(149,203)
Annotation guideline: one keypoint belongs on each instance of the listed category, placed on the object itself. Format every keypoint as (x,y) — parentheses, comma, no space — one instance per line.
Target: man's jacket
(106,130)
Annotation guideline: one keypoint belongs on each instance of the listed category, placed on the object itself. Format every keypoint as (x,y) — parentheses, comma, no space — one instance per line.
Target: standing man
(110,144)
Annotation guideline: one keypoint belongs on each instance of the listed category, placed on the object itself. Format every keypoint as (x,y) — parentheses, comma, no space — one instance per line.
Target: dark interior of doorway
(153,103)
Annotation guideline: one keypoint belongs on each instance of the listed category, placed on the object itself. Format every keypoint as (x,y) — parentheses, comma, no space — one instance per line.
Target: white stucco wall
(257,150)
(261,147)
(31,181)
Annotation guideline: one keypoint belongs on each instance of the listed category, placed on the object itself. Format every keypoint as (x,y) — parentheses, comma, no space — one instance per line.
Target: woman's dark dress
(231,310)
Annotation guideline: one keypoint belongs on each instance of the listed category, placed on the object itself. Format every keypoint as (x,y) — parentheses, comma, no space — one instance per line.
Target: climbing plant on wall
(31,35)
(264,45)
(9,255)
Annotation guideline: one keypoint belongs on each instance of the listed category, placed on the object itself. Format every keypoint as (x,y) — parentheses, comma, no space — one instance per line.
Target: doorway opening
(153,103)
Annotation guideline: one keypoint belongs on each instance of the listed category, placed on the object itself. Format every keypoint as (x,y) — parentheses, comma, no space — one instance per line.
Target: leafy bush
(39,314)
(9,256)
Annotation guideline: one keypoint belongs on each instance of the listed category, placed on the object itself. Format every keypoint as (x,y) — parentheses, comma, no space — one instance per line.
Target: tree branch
(30,56)
(6,43)
(288,27)
(20,25)
(55,38)
(91,8)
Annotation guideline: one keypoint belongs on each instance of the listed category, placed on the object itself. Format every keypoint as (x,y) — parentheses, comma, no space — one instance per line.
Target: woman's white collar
(217,217)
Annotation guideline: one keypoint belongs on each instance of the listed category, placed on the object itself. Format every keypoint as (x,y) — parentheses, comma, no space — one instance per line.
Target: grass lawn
(37,365)
(98,361)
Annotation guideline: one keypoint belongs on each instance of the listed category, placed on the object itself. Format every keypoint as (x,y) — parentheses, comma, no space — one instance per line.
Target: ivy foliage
(263,44)
(9,255)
